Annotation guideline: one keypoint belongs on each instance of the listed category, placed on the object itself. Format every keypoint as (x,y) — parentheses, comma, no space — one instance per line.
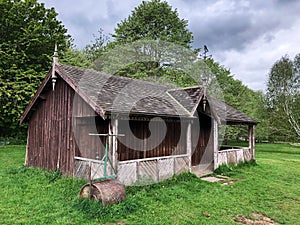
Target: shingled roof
(228,114)
(108,94)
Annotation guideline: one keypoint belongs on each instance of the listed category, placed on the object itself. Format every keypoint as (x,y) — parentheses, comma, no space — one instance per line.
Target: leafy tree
(28,32)
(144,38)
(31,30)
(95,50)
(153,43)
(154,20)
(239,96)
(137,60)
(75,57)
(284,96)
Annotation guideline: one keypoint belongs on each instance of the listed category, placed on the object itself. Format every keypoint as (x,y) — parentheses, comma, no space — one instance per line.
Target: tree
(31,30)
(95,50)
(28,33)
(239,96)
(154,20)
(144,40)
(284,95)
(75,57)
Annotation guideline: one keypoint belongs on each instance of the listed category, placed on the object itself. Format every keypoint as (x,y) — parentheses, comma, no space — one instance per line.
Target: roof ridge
(119,77)
(185,88)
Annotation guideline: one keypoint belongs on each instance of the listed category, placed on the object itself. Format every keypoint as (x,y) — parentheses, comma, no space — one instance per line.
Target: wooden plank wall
(200,139)
(141,148)
(58,131)
(91,147)
(51,141)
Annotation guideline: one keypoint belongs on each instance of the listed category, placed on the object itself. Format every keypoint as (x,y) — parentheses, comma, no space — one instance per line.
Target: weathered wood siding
(234,156)
(91,147)
(173,143)
(135,172)
(202,141)
(51,141)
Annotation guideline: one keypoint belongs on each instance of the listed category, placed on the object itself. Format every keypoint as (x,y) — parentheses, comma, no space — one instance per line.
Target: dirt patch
(228,182)
(220,179)
(212,179)
(256,219)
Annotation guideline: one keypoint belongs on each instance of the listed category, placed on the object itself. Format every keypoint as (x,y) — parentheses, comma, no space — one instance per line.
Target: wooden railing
(138,172)
(149,170)
(233,155)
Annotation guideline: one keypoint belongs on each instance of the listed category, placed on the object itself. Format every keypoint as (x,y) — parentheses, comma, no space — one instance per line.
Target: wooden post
(157,170)
(251,138)
(216,143)
(110,142)
(27,148)
(115,123)
(189,143)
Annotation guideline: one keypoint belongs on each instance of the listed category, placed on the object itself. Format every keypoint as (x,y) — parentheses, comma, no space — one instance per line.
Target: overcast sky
(245,36)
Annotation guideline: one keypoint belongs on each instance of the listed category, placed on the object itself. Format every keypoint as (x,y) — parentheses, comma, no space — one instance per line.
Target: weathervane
(204,54)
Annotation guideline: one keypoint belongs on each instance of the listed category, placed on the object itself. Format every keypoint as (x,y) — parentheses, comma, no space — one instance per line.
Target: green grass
(35,196)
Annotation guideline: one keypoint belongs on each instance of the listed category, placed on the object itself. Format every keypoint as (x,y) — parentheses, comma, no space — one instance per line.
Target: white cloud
(252,64)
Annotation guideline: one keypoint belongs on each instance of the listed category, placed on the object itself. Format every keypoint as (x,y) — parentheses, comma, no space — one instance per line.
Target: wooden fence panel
(147,172)
(233,156)
(127,173)
(166,168)
(240,156)
(247,154)
(181,164)
(135,172)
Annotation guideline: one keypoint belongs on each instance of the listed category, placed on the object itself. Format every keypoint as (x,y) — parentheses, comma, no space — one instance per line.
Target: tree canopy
(284,97)
(154,20)
(159,44)
(28,33)
(150,37)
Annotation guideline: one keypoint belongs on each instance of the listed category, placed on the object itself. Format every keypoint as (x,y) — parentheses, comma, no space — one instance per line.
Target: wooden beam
(110,142)
(152,158)
(215,142)
(27,148)
(115,131)
(189,143)
(251,138)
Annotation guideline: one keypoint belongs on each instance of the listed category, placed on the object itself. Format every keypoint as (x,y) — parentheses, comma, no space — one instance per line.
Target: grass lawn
(272,188)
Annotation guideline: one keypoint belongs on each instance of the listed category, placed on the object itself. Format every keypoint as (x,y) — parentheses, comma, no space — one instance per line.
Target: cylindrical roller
(107,191)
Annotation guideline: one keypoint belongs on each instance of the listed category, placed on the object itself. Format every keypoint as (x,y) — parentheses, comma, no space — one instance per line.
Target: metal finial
(205,79)
(55,61)
(55,55)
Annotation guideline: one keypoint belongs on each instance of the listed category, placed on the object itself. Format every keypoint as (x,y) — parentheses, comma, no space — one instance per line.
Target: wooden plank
(251,138)
(189,143)
(115,129)
(215,143)
(154,158)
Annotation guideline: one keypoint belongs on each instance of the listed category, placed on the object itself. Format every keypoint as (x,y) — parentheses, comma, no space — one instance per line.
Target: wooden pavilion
(166,130)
